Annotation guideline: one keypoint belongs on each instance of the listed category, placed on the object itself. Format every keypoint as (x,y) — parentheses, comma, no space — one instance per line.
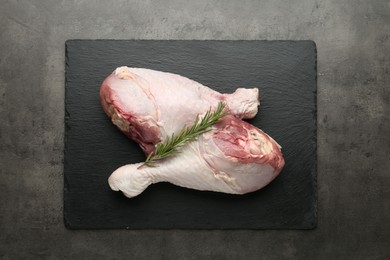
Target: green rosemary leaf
(170,146)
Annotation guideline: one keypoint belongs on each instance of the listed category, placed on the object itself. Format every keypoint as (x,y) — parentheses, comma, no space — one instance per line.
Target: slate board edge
(67,224)
(315,142)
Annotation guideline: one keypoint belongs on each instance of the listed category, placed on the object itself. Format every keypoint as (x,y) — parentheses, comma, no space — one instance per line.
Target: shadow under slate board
(284,72)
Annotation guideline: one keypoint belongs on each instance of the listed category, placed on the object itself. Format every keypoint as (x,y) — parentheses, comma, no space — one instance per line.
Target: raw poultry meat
(234,157)
(149,105)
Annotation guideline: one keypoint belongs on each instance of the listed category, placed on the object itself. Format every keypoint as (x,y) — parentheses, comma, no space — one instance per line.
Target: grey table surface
(353,41)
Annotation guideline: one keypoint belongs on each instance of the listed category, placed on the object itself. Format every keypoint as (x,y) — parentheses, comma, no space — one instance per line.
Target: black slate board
(285,73)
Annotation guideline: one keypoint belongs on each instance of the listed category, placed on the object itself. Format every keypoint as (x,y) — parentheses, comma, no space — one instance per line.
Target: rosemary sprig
(171,144)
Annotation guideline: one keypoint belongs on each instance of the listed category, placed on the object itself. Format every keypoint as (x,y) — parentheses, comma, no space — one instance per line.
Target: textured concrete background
(353,40)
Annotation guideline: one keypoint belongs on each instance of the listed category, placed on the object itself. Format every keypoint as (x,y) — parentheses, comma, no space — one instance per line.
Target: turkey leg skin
(234,157)
(149,105)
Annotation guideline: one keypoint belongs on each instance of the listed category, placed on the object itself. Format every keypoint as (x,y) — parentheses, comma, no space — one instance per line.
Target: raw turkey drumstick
(149,105)
(233,157)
